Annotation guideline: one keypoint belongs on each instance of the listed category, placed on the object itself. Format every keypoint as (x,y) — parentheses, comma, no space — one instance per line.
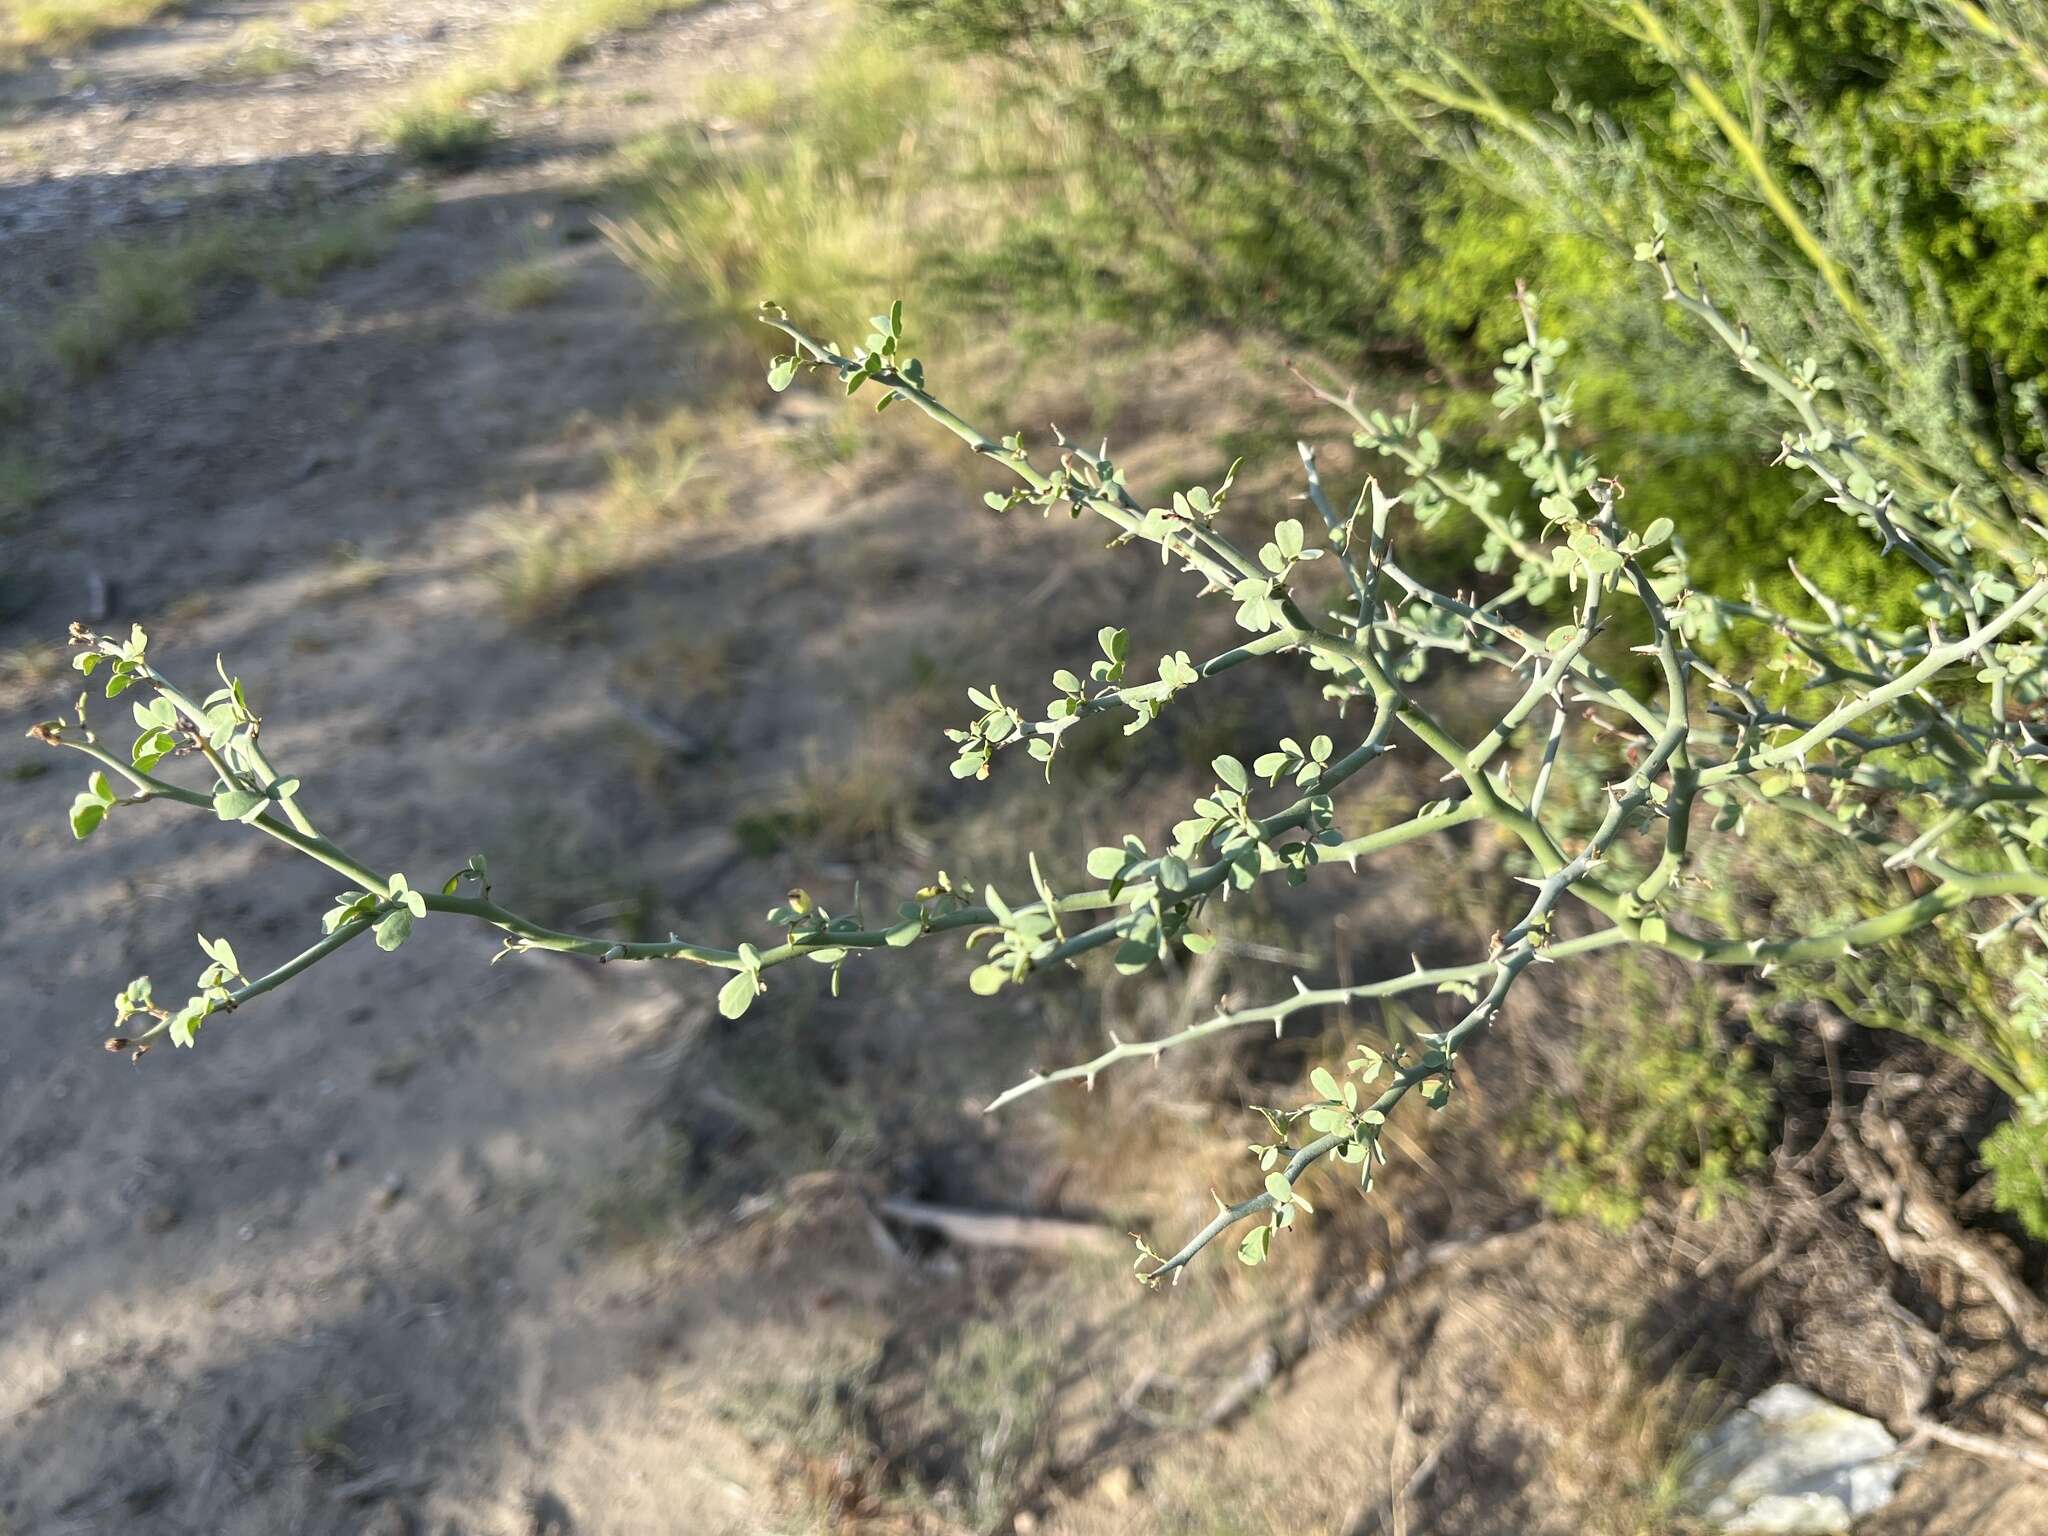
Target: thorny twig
(1922,742)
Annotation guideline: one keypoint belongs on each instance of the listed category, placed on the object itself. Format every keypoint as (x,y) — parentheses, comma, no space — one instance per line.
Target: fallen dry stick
(1915,1226)
(982,1229)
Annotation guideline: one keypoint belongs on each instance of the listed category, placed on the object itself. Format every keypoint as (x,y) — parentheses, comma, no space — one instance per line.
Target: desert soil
(426,1244)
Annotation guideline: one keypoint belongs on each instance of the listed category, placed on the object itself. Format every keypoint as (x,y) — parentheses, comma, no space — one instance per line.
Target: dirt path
(470,1250)
(352,1246)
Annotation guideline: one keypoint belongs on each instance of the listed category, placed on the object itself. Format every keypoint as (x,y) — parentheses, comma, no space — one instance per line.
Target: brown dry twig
(1908,1216)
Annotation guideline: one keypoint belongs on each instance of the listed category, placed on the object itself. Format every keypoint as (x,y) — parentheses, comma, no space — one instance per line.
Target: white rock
(1789,1463)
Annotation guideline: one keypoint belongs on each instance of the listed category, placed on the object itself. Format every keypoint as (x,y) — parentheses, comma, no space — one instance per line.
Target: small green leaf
(394,929)
(1323,1083)
(1173,874)
(1278,1187)
(186,1021)
(780,373)
(1105,863)
(151,747)
(240,805)
(87,812)
(1132,957)
(1231,772)
(987,980)
(1257,1244)
(737,995)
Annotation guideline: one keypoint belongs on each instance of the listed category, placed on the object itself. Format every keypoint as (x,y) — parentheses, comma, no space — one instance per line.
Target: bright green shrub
(1669,1101)
(2016,1156)
(1861,178)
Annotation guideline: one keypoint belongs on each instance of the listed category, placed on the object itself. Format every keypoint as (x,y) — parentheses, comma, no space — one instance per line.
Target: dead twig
(1237,1396)
(1376,1519)
(1917,1392)
(376,1485)
(1909,1217)
(1981,1446)
(983,1229)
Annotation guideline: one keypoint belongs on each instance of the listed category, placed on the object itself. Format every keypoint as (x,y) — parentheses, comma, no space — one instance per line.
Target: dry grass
(324,1433)
(441,125)
(318,15)
(526,284)
(25,484)
(30,672)
(1614,1429)
(301,254)
(642,1205)
(690,663)
(447,138)
(140,291)
(51,26)
(259,52)
(144,289)
(856,800)
(883,172)
(547,564)
(347,572)
(823,213)
(975,1436)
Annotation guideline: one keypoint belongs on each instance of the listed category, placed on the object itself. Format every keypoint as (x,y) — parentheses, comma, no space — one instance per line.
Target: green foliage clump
(139,292)
(2016,1157)
(1669,1102)
(1861,179)
(443,138)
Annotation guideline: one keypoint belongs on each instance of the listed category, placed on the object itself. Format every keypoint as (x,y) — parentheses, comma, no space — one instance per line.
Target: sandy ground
(354,1239)
(436,1246)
